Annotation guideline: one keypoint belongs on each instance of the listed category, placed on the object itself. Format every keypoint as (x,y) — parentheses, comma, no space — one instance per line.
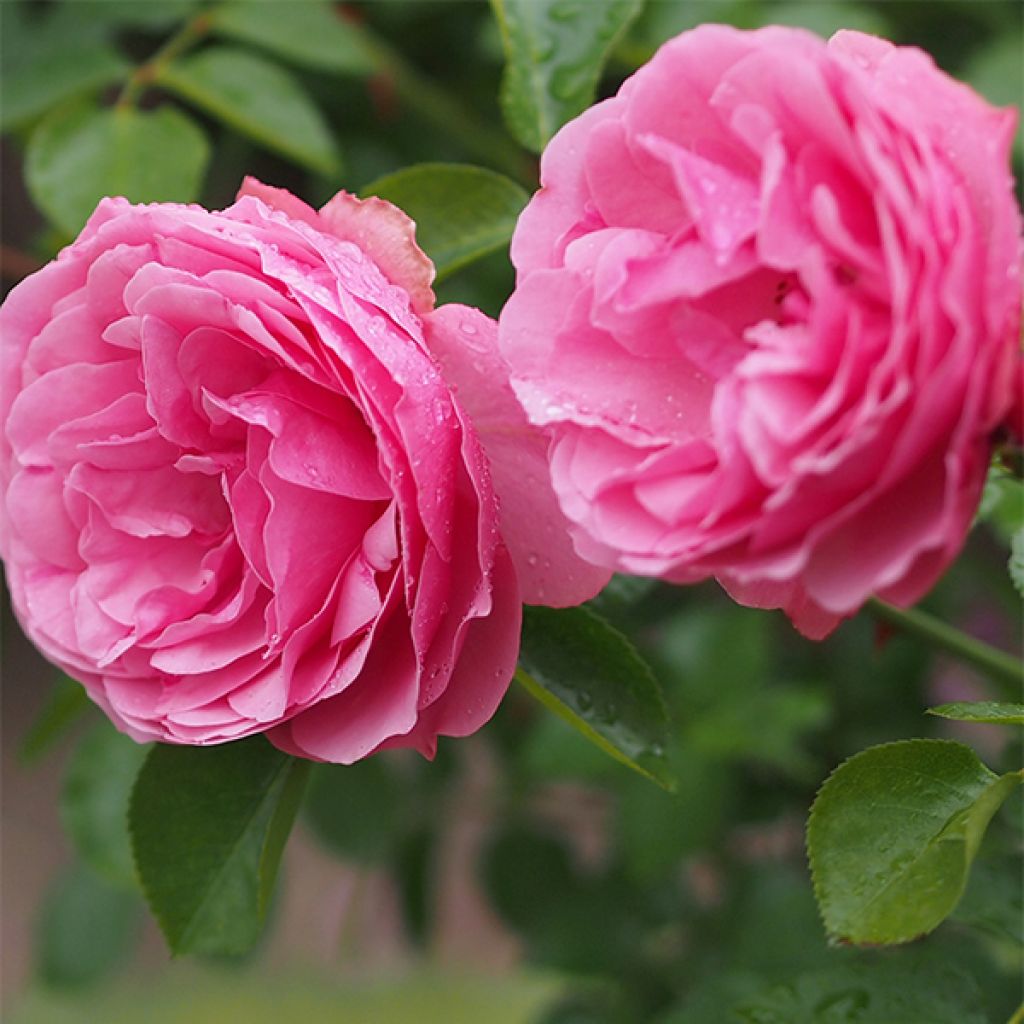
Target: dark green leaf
(981,711)
(66,703)
(356,810)
(80,153)
(257,98)
(208,826)
(311,33)
(94,801)
(461,212)
(555,51)
(892,835)
(86,929)
(57,73)
(879,993)
(589,673)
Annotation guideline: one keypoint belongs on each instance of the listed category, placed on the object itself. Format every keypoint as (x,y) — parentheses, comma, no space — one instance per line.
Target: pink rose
(767,308)
(241,497)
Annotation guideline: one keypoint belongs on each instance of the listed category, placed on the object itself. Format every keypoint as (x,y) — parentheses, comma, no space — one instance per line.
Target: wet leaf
(555,51)
(591,675)
(892,835)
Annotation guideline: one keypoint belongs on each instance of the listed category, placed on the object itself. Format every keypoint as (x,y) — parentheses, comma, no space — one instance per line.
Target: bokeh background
(521,877)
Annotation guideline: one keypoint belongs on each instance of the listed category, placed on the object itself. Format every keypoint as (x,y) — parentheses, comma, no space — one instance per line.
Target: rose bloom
(241,496)
(767,308)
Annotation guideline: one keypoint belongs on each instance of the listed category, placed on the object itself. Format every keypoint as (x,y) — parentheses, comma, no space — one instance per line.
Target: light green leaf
(208,826)
(80,153)
(312,33)
(892,835)
(85,929)
(66,703)
(555,51)
(587,672)
(981,711)
(257,98)
(94,801)
(461,212)
(877,993)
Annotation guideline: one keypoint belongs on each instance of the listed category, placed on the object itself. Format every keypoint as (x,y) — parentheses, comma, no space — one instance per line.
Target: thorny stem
(147,73)
(999,666)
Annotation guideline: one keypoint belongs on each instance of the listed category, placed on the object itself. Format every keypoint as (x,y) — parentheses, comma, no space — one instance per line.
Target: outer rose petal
(465,342)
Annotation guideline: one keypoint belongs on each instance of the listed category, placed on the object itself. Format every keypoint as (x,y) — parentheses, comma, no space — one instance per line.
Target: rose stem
(999,666)
(146,73)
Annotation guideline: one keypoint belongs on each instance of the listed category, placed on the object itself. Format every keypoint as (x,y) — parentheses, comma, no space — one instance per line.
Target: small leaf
(981,711)
(892,835)
(94,801)
(461,212)
(66,703)
(80,153)
(312,33)
(555,51)
(588,672)
(877,993)
(257,98)
(86,929)
(208,826)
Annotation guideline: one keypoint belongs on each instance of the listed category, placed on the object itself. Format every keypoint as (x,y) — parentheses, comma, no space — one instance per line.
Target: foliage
(696,906)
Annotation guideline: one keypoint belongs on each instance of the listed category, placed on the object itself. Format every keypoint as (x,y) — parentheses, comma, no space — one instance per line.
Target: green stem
(999,666)
(443,110)
(146,73)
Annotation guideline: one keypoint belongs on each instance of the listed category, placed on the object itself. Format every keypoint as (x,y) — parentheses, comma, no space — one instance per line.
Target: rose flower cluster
(766,324)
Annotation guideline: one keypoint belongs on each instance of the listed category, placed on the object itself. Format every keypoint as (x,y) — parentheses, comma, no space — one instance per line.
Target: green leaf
(981,711)
(311,33)
(94,801)
(50,70)
(86,928)
(583,669)
(892,835)
(461,212)
(80,153)
(208,826)
(257,98)
(66,703)
(876,993)
(357,810)
(555,51)
(994,900)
